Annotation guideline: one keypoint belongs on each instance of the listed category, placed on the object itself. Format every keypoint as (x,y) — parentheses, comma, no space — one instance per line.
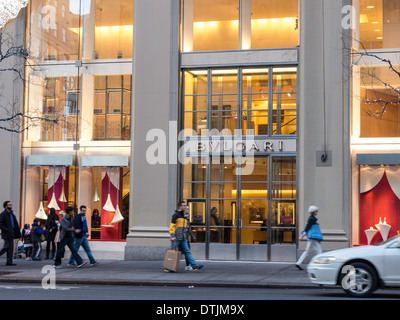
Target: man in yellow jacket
(179,231)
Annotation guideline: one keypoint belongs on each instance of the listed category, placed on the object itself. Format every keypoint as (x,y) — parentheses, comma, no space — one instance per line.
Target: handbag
(315,233)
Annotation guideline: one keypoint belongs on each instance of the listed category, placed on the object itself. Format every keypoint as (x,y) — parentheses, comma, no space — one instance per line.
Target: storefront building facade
(154,106)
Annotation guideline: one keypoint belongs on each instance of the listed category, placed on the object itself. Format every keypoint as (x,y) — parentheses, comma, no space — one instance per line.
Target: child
(36,235)
(26,239)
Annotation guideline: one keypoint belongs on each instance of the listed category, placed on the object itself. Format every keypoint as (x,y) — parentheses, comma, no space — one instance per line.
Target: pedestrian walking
(27,241)
(51,231)
(81,238)
(37,237)
(190,233)
(57,237)
(9,231)
(314,237)
(66,239)
(179,235)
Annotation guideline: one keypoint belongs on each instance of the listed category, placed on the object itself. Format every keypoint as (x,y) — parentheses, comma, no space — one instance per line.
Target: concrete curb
(166,283)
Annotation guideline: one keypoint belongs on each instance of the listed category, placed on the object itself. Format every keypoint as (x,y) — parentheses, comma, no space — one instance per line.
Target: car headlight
(324,260)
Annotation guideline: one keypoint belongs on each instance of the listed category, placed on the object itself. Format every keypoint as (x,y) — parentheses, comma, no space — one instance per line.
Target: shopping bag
(172,259)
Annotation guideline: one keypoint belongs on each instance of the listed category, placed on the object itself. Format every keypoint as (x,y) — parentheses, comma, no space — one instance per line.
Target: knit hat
(312,209)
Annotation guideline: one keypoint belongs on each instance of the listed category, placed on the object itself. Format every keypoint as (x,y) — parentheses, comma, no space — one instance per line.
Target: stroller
(19,250)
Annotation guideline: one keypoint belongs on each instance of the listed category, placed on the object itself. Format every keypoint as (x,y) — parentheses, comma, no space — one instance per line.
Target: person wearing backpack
(36,237)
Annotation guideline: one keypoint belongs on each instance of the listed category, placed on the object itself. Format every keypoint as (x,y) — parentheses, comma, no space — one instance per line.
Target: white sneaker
(82,264)
(188,268)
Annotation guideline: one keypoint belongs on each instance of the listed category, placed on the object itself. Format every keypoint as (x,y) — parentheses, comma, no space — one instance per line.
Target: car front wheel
(360,281)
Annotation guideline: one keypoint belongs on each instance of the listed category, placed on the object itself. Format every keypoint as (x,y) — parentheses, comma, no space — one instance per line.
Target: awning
(49,160)
(104,161)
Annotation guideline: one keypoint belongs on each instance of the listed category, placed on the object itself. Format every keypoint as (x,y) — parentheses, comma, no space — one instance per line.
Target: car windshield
(384,242)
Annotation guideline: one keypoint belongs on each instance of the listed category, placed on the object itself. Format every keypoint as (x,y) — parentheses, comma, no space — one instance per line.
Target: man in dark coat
(9,231)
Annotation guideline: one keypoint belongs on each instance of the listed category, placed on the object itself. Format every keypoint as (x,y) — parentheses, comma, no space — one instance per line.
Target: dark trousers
(67,241)
(53,249)
(37,250)
(9,249)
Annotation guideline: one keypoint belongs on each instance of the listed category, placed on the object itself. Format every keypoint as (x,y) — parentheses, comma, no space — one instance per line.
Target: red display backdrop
(56,190)
(379,202)
(109,231)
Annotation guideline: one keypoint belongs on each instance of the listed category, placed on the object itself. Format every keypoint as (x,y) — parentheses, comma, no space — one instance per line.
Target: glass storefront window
(274,24)
(232,25)
(210,25)
(54,98)
(54,30)
(81,29)
(378,103)
(379,24)
(112,101)
(49,186)
(284,113)
(268,105)
(255,99)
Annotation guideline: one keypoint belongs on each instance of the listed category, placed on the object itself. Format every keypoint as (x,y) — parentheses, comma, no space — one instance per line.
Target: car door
(391,270)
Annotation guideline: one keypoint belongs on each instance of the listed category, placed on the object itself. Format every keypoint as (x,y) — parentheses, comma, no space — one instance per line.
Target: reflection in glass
(81,29)
(378,103)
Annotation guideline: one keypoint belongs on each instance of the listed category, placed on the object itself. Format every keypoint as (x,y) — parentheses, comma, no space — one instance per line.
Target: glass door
(242,212)
(222,210)
(253,214)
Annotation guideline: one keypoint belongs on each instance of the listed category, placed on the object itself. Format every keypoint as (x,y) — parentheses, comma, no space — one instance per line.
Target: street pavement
(113,272)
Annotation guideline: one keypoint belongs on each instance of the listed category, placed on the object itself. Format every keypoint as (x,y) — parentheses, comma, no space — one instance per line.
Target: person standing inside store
(51,231)
(9,231)
(66,239)
(314,237)
(179,234)
(81,230)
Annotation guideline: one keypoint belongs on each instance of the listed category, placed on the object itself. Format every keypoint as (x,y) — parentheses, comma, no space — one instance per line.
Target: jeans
(85,245)
(183,246)
(67,241)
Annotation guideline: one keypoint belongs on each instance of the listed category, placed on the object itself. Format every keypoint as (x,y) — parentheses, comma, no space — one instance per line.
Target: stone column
(155,104)
(324,122)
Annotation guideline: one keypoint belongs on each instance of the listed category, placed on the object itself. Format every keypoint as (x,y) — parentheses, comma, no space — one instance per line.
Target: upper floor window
(380,24)
(259,101)
(210,25)
(94,29)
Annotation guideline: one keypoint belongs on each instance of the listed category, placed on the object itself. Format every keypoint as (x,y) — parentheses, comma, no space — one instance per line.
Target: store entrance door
(245,215)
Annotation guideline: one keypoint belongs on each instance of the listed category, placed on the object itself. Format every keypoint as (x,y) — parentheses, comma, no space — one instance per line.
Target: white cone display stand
(118,216)
(383,229)
(41,214)
(370,233)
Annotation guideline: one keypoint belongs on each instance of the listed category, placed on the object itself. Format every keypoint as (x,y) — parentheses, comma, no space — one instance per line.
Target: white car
(358,270)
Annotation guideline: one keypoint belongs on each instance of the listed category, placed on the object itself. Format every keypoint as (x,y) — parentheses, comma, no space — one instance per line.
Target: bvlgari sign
(240,146)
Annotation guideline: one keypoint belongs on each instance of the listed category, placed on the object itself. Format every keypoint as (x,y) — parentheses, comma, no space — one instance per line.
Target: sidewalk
(112,272)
